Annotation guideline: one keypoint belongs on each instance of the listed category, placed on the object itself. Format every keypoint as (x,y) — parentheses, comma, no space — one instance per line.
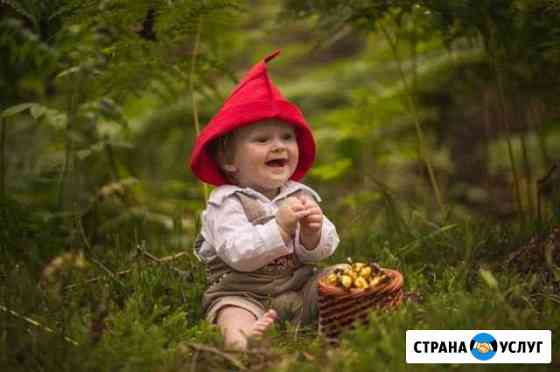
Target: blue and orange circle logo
(483,346)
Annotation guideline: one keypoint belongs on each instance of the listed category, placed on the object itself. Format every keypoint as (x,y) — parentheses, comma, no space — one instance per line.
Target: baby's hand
(288,215)
(311,224)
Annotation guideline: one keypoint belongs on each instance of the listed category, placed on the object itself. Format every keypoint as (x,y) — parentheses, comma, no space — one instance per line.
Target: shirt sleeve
(240,244)
(327,243)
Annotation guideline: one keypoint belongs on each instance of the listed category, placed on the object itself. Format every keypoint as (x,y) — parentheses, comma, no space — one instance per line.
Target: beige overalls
(285,285)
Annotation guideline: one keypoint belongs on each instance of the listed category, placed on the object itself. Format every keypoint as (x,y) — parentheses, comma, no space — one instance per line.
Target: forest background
(438,131)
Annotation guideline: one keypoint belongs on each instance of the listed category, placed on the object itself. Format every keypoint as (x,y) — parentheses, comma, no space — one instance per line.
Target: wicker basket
(340,308)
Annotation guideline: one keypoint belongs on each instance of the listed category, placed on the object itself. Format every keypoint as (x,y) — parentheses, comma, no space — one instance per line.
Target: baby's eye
(288,136)
(261,139)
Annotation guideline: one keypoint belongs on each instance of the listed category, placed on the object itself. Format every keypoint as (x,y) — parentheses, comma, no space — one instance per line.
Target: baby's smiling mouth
(277,162)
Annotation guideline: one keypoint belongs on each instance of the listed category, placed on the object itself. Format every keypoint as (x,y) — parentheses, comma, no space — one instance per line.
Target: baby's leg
(237,324)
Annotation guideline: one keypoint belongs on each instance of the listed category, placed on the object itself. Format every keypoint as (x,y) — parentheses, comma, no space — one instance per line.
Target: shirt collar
(220,193)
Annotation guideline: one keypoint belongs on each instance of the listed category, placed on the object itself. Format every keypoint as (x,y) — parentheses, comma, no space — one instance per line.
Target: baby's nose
(278,145)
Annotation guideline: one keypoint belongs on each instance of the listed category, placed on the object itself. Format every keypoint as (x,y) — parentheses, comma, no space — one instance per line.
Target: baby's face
(265,156)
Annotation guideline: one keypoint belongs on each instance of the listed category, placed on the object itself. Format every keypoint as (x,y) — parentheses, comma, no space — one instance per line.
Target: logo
(483,346)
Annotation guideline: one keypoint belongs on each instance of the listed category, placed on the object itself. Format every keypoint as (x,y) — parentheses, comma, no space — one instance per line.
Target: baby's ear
(230,168)
(225,161)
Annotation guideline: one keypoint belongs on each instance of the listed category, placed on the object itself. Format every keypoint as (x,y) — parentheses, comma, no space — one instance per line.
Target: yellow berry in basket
(365,272)
(358,266)
(375,281)
(351,273)
(361,283)
(331,279)
(346,281)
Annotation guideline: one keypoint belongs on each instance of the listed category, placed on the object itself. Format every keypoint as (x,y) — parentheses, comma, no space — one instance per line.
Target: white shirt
(243,246)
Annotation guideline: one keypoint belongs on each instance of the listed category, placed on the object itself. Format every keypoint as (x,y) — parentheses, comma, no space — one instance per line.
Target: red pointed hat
(254,99)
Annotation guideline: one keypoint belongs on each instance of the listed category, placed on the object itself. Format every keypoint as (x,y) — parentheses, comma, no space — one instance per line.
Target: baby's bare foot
(263,323)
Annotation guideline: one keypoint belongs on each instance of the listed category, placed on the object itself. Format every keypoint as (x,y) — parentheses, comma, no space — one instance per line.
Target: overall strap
(254,211)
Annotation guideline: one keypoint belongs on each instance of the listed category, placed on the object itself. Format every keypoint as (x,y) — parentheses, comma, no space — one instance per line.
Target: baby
(261,227)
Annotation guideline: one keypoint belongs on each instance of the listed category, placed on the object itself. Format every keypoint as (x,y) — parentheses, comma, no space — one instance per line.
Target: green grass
(150,319)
